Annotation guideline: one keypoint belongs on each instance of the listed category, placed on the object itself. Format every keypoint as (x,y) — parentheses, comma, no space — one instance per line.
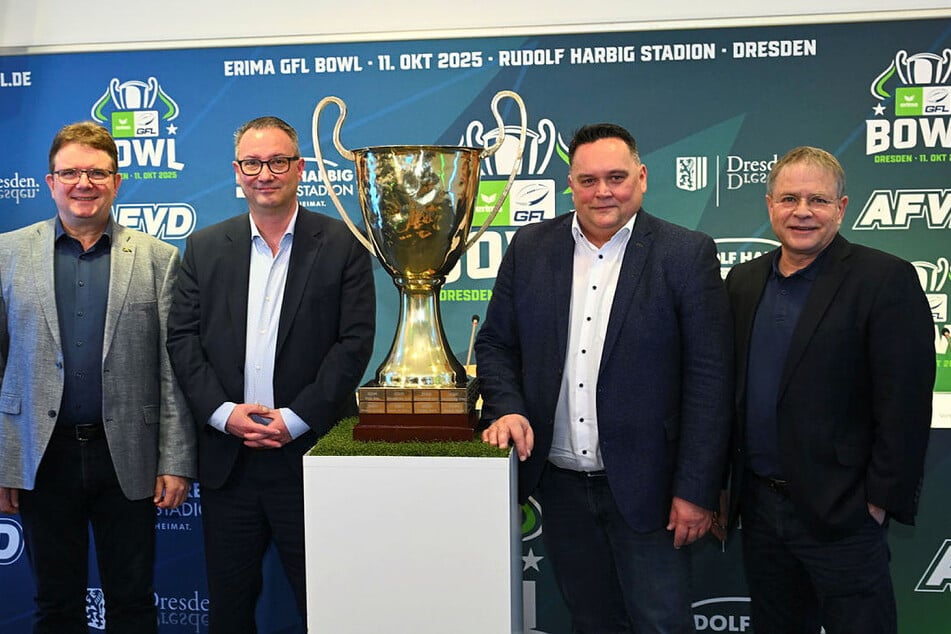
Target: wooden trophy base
(424,414)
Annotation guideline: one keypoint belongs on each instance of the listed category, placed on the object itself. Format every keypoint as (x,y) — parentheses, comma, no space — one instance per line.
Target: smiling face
(83,205)
(269,193)
(607,186)
(805,211)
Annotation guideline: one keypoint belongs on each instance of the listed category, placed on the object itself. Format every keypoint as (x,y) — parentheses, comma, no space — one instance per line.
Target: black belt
(80,432)
(776,485)
(581,474)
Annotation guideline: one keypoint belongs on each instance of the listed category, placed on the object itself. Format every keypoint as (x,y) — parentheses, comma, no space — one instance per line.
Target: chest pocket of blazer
(10,403)
(146,307)
(151,414)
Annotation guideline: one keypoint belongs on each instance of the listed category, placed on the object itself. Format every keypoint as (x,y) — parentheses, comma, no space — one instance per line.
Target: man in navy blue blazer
(606,359)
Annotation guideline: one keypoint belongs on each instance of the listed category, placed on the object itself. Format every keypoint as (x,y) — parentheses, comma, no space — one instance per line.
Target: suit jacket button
(51,413)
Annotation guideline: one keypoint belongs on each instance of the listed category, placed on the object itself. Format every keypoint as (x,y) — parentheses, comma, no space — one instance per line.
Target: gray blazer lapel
(122,263)
(41,260)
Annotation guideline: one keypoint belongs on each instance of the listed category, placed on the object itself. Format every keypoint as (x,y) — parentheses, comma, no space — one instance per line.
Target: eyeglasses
(276,165)
(815,202)
(72,176)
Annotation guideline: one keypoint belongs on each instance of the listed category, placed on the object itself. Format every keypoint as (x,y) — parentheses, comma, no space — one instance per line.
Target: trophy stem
(420,355)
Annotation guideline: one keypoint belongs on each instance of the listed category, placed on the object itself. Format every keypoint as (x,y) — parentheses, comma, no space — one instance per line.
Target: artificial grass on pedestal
(339,442)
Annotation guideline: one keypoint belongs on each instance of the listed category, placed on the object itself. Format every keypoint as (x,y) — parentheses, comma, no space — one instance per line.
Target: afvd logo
(937,577)
(917,85)
(11,541)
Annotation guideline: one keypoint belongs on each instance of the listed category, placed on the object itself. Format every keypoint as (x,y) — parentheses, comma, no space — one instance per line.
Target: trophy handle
(492,149)
(940,275)
(901,59)
(344,152)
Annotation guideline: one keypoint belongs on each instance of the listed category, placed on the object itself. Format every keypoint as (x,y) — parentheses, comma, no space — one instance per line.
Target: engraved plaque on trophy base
(426,414)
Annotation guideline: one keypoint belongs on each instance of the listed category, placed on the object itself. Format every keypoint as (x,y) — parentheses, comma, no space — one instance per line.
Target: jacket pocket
(151,414)
(146,307)
(10,403)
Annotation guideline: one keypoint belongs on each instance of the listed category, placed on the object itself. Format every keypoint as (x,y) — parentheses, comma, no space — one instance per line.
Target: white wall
(57,25)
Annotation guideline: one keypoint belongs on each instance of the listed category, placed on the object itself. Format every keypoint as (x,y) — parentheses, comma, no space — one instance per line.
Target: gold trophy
(418,202)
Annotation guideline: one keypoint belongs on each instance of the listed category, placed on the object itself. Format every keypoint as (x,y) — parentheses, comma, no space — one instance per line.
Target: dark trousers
(263,500)
(613,579)
(799,582)
(76,486)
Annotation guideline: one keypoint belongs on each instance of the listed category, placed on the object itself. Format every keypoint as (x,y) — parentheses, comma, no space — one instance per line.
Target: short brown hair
(811,156)
(87,133)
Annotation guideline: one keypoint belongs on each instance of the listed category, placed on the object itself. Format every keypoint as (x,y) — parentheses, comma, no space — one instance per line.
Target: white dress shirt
(595,274)
(266,282)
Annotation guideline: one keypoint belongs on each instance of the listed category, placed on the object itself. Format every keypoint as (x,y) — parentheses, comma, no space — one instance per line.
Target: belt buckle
(778,486)
(87,432)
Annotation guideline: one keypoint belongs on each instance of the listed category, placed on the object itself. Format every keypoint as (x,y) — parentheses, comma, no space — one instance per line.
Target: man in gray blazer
(93,428)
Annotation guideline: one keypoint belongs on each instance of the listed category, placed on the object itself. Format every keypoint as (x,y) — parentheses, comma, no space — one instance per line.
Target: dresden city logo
(95,608)
(691,173)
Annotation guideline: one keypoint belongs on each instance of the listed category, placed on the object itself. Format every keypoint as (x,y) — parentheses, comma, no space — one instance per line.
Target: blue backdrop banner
(712,109)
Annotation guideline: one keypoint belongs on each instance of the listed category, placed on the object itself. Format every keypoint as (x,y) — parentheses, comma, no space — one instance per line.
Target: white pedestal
(412,545)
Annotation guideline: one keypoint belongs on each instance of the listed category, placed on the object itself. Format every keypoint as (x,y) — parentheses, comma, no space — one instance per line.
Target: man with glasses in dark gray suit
(270,333)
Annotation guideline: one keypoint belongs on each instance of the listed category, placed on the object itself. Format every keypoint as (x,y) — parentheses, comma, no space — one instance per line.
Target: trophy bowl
(418,203)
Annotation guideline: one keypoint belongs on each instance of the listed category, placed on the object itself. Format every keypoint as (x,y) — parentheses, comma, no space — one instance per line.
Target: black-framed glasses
(276,165)
(72,175)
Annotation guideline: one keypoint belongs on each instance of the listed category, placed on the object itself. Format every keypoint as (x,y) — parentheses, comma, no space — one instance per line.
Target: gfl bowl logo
(11,541)
(530,200)
(917,86)
(140,114)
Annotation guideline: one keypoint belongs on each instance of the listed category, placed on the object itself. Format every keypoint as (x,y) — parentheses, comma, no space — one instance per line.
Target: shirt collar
(622,234)
(60,231)
(288,232)
(808,273)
